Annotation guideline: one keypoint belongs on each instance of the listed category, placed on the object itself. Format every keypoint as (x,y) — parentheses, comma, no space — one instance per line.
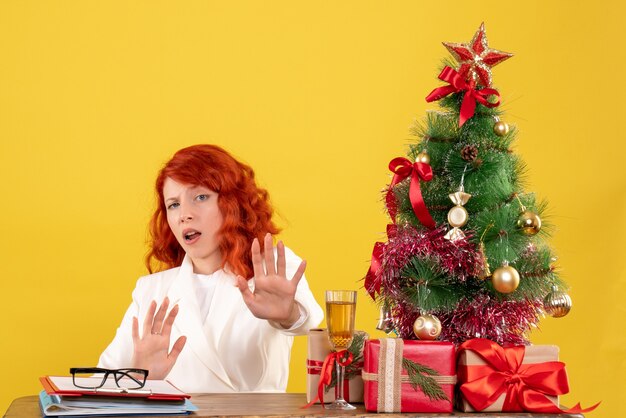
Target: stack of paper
(158,397)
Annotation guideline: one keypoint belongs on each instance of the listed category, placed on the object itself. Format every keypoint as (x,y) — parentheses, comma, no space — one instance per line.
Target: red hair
(245,208)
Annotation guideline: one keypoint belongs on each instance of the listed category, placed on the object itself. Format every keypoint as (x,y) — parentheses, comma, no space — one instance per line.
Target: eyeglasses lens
(130,379)
(88,378)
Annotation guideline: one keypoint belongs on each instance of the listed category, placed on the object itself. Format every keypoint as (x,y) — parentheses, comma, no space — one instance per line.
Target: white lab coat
(233,351)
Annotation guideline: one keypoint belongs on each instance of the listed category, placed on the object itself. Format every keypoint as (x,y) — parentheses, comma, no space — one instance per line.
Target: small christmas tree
(465,255)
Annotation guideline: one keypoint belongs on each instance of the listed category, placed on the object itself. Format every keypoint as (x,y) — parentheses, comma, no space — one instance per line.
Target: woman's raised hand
(273,296)
(151,348)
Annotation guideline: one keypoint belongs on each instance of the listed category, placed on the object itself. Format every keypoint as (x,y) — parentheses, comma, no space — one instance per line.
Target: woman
(236,301)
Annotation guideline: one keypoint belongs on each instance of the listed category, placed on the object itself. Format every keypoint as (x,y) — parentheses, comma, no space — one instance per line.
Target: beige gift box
(534,354)
(318,348)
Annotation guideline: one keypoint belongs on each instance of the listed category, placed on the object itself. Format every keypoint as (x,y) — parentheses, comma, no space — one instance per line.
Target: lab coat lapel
(189,323)
(225,308)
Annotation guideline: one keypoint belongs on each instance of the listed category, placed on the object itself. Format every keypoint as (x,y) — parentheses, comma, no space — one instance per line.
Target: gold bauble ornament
(505,279)
(423,157)
(557,303)
(501,128)
(427,327)
(385,320)
(529,222)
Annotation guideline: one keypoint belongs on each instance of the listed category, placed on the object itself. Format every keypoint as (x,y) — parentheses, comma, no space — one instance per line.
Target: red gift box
(512,379)
(388,384)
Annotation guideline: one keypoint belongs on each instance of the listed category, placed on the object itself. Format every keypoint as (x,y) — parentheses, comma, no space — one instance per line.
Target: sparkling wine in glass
(340,313)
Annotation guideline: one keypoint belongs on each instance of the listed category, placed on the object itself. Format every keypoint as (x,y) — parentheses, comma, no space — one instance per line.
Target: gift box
(408,376)
(493,378)
(318,349)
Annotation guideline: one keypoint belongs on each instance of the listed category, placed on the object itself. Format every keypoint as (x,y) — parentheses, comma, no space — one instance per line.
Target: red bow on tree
(403,168)
(372,279)
(456,84)
(372,283)
(526,385)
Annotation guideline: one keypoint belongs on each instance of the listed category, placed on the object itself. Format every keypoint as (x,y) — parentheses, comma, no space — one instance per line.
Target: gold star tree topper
(476,58)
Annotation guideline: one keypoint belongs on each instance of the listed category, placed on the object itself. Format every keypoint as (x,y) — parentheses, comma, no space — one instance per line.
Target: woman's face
(194,219)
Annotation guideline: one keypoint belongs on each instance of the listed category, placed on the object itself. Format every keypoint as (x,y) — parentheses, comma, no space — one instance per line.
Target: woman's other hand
(273,296)
(151,348)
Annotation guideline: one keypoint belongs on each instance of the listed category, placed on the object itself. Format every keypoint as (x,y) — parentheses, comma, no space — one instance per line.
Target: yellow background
(317,96)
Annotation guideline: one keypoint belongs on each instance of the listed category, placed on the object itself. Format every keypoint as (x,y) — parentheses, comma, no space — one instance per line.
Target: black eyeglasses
(89,377)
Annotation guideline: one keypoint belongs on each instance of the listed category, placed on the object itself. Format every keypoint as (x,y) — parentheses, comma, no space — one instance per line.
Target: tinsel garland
(506,322)
(459,259)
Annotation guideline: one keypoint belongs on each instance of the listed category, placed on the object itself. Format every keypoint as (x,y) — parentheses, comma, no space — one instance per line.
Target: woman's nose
(185,214)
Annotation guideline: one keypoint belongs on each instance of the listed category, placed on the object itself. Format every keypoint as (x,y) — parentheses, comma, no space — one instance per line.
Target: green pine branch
(427,287)
(420,377)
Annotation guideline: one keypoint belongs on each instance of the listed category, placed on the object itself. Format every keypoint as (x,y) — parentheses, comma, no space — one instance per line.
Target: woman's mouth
(190,236)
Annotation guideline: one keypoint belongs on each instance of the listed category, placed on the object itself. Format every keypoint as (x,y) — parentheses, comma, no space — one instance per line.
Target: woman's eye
(202,197)
(172,205)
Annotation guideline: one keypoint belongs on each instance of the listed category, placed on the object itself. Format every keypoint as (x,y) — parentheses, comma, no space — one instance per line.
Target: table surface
(270,405)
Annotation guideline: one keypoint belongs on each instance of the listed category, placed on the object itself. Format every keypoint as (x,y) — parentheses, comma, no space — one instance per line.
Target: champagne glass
(340,311)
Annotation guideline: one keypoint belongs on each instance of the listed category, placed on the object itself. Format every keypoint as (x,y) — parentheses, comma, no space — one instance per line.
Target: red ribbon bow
(403,168)
(344,358)
(372,281)
(472,95)
(526,385)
